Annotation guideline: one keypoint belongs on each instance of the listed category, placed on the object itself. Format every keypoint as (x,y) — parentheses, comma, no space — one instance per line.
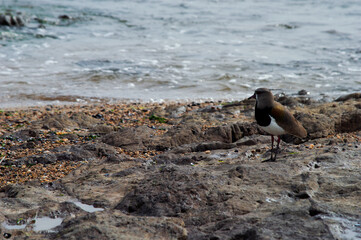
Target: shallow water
(153,50)
(343,228)
(46,224)
(38,224)
(87,207)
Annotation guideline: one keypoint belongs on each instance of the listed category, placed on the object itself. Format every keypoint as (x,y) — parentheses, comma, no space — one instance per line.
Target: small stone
(7,235)
(303,92)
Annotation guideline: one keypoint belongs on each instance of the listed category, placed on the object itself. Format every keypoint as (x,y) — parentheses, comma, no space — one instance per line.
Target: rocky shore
(179,171)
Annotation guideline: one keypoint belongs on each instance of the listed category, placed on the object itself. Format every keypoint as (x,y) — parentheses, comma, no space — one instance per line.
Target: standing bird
(275,119)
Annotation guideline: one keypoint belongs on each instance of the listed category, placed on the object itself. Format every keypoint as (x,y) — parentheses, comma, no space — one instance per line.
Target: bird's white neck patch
(273,128)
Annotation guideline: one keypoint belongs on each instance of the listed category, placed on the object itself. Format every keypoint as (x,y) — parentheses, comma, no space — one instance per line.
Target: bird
(275,119)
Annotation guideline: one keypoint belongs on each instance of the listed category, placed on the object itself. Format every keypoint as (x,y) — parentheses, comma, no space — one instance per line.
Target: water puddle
(13,227)
(224,156)
(343,228)
(46,224)
(87,207)
(38,224)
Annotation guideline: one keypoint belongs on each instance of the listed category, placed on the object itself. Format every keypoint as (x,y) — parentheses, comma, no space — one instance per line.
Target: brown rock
(349,122)
(348,97)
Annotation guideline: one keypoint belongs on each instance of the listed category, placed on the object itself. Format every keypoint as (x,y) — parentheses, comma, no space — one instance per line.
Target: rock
(159,197)
(158,111)
(348,97)
(303,92)
(115,158)
(101,129)
(11,20)
(115,225)
(83,152)
(59,121)
(287,101)
(64,17)
(46,158)
(23,135)
(326,157)
(247,142)
(175,111)
(129,138)
(184,134)
(206,183)
(317,125)
(83,120)
(349,122)
(62,121)
(212,146)
(230,133)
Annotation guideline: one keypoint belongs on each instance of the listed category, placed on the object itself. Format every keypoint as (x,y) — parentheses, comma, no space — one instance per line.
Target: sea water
(71,51)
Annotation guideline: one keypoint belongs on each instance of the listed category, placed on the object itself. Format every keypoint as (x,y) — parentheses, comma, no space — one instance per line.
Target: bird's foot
(270,160)
(276,150)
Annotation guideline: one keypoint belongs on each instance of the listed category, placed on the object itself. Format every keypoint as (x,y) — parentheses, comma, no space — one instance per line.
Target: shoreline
(79,100)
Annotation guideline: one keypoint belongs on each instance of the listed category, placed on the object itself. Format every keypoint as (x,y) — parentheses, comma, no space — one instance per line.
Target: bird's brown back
(287,121)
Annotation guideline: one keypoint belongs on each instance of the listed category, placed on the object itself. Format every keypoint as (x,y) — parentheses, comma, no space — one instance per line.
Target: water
(153,50)
(46,224)
(343,228)
(87,207)
(13,227)
(38,224)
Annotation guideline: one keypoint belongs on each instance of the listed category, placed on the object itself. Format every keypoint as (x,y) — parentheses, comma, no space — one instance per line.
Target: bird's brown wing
(286,120)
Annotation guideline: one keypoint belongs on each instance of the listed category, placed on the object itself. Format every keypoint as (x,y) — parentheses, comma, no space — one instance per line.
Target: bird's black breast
(263,116)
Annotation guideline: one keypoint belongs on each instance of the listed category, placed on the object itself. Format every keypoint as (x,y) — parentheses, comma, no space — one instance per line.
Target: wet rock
(348,97)
(11,20)
(64,17)
(302,92)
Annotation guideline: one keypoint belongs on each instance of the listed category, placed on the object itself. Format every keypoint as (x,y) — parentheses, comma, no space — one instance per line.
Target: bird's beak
(253,96)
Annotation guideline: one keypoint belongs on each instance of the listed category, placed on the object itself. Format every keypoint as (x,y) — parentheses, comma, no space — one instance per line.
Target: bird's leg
(272,159)
(278,148)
